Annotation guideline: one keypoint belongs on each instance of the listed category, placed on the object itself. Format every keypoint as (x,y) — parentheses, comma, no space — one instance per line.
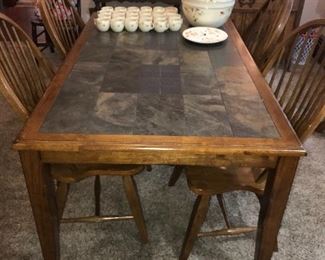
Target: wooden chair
(24,77)
(266,29)
(25,72)
(298,83)
(62,22)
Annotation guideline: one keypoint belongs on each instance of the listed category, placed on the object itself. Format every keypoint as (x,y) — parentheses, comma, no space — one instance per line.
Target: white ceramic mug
(146,25)
(145,17)
(118,15)
(105,15)
(131,25)
(171,9)
(175,24)
(161,25)
(132,12)
(145,8)
(99,13)
(120,9)
(159,15)
(117,24)
(144,13)
(133,9)
(158,9)
(160,18)
(102,24)
(173,15)
(132,15)
(107,8)
(105,11)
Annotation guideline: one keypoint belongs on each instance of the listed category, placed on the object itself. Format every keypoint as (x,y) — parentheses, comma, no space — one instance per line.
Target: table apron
(159,157)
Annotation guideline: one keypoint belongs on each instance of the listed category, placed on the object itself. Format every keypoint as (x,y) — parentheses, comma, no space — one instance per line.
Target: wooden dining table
(155,98)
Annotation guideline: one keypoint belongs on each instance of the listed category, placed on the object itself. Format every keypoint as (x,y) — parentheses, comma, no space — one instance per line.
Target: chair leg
(321,127)
(97,188)
(260,199)
(175,175)
(135,205)
(61,197)
(198,216)
(223,209)
(276,248)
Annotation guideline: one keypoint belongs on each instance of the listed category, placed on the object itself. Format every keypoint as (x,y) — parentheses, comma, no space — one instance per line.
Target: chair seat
(211,181)
(70,173)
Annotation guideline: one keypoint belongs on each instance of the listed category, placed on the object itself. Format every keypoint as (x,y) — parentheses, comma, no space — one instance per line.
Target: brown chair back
(62,22)
(243,14)
(266,29)
(24,71)
(296,74)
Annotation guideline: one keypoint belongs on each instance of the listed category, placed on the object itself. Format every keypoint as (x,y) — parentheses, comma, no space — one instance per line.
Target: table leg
(275,199)
(41,191)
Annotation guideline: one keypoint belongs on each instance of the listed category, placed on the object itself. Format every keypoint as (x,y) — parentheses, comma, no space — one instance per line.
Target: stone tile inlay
(159,84)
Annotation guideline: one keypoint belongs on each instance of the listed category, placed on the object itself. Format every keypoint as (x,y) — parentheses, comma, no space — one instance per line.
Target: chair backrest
(24,71)
(266,29)
(243,14)
(296,75)
(62,22)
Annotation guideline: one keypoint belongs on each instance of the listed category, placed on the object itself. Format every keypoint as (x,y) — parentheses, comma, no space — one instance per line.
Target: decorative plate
(205,35)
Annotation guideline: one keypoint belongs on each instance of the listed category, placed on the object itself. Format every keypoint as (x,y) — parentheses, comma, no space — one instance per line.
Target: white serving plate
(205,35)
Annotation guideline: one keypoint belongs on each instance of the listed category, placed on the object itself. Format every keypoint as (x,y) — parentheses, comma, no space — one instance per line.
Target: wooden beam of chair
(62,192)
(96,219)
(227,232)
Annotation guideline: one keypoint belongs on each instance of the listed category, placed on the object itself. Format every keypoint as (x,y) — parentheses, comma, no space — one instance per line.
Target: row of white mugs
(145,18)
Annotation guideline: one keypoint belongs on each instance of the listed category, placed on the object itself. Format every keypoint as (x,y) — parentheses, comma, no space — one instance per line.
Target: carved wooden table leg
(42,198)
(275,199)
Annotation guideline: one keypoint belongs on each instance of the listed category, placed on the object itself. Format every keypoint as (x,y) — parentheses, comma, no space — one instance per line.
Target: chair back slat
(69,25)
(62,22)
(308,78)
(298,79)
(266,29)
(242,16)
(11,59)
(74,21)
(24,72)
(243,21)
(28,67)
